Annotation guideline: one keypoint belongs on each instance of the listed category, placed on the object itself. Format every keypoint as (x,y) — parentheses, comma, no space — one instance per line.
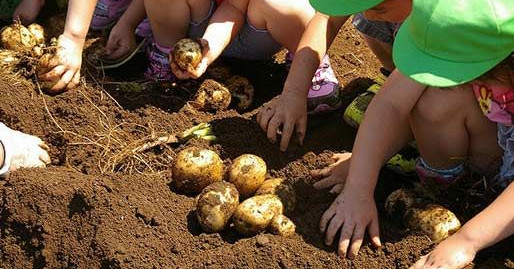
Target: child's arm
(290,109)
(122,39)
(224,25)
(65,68)
(385,128)
(493,224)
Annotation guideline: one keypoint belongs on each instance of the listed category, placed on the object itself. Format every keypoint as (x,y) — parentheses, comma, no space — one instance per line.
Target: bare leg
(383,51)
(449,126)
(285,20)
(170,19)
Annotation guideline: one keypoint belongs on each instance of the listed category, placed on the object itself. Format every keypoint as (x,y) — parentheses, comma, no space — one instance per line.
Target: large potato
(38,32)
(284,191)
(254,214)
(242,91)
(434,220)
(282,225)
(187,53)
(247,173)
(17,37)
(215,206)
(212,96)
(399,201)
(195,169)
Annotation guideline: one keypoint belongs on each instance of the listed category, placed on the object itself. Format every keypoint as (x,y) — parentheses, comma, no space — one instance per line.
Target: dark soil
(93,209)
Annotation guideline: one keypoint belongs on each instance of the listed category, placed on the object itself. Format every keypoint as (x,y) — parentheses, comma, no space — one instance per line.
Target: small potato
(218,72)
(9,60)
(399,201)
(212,96)
(434,220)
(242,91)
(17,37)
(38,32)
(215,206)
(195,169)
(278,187)
(282,225)
(247,173)
(187,53)
(254,214)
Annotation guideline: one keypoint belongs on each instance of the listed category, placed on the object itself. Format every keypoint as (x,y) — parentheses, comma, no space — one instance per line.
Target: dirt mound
(92,210)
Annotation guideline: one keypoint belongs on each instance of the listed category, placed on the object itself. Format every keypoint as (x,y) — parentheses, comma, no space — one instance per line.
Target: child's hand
(65,66)
(352,212)
(121,41)
(289,112)
(333,175)
(453,253)
(28,10)
(199,70)
(22,150)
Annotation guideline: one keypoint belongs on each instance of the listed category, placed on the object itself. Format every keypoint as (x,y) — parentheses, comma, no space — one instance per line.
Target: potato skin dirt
(187,53)
(247,173)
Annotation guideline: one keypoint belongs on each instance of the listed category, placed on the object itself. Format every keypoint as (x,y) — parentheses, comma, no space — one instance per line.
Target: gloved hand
(21,150)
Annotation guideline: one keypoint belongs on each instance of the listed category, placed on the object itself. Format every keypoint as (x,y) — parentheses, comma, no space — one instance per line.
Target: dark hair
(506,64)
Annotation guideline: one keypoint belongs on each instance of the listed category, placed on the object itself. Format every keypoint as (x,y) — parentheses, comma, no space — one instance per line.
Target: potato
(282,225)
(211,96)
(38,32)
(9,60)
(187,53)
(242,91)
(254,214)
(433,220)
(17,37)
(215,206)
(247,173)
(218,72)
(398,202)
(285,192)
(195,169)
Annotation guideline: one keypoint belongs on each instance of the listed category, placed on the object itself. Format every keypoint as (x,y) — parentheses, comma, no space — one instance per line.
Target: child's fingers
(301,126)
(55,73)
(326,182)
(75,81)
(420,263)
(356,243)
(337,189)
(374,232)
(344,239)
(64,81)
(273,126)
(266,113)
(287,132)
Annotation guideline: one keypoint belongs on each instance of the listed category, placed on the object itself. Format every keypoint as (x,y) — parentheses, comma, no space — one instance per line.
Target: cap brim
(342,7)
(424,68)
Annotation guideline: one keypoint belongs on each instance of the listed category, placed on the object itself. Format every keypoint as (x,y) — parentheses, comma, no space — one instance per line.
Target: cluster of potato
(199,170)
(433,220)
(220,91)
(26,43)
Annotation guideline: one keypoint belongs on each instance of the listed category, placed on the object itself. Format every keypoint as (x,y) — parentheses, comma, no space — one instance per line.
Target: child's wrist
(469,238)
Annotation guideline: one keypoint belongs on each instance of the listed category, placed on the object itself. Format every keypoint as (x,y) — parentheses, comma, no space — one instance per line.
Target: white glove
(21,150)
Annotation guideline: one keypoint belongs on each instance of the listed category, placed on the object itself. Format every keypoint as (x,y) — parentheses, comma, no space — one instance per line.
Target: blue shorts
(250,43)
(380,30)
(506,142)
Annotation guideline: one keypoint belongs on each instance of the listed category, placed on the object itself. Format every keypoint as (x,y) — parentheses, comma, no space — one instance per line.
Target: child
(19,150)
(24,10)
(377,20)
(443,44)
(65,67)
(248,29)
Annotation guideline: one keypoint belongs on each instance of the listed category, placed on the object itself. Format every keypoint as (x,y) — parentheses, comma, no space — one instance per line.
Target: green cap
(444,43)
(343,7)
